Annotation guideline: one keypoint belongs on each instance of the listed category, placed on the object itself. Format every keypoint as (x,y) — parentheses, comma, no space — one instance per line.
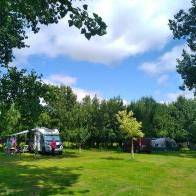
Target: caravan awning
(20,133)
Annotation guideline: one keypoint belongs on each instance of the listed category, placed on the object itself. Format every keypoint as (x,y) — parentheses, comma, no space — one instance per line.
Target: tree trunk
(80,147)
(132,148)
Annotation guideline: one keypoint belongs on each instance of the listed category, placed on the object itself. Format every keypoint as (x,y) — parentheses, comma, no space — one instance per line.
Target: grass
(94,172)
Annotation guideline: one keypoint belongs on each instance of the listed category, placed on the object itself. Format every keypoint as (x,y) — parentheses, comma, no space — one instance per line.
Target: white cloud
(81,93)
(125,102)
(162,80)
(173,96)
(58,79)
(165,63)
(170,97)
(134,26)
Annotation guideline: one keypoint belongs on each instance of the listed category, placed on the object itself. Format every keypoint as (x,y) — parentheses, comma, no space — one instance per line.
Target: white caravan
(39,139)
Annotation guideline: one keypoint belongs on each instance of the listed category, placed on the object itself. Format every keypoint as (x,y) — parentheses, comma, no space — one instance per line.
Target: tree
(17,16)
(144,110)
(108,110)
(183,112)
(192,131)
(163,123)
(129,126)
(92,116)
(61,102)
(80,137)
(183,26)
(11,120)
(24,91)
(44,120)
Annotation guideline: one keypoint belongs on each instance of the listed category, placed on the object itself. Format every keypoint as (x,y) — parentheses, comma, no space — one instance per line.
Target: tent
(164,143)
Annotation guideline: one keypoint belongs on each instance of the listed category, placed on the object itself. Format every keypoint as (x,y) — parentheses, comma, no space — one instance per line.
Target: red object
(140,145)
(53,144)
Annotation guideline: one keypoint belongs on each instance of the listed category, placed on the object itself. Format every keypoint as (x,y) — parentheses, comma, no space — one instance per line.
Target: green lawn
(99,173)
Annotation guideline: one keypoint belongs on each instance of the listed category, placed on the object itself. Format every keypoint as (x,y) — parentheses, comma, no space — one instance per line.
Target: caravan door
(37,142)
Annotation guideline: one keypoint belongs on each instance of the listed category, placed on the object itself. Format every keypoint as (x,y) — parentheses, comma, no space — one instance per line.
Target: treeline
(26,102)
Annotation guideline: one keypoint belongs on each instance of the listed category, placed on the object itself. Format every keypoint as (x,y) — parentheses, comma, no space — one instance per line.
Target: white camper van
(39,139)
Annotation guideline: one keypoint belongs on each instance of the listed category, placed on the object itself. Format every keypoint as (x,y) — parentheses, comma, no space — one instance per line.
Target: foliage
(20,95)
(17,16)
(44,120)
(165,120)
(129,125)
(79,136)
(26,102)
(11,120)
(183,26)
(144,110)
(61,103)
(192,131)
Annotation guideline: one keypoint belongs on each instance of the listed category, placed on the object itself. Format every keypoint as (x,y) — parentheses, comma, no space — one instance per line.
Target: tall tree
(183,26)
(10,121)
(17,16)
(109,110)
(129,126)
(144,110)
(163,123)
(61,102)
(24,91)
(80,137)
(192,131)
(184,113)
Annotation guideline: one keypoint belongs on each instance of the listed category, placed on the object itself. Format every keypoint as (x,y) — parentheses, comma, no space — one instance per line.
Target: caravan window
(50,137)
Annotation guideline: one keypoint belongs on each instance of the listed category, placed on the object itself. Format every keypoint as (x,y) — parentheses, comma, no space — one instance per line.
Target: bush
(185,149)
(1,147)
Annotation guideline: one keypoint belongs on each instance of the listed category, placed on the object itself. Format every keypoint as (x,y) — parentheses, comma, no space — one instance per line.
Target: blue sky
(136,58)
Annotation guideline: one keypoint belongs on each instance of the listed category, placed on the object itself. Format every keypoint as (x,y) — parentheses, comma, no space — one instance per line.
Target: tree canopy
(183,26)
(17,16)
(26,102)
(129,126)
(20,94)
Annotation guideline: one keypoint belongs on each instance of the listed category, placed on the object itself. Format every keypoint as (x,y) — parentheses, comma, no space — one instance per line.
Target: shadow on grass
(112,158)
(22,180)
(28,157)
(185,154)
(66,154)
(18,179)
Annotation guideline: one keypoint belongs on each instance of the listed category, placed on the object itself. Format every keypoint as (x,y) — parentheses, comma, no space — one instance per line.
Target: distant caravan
(39,140)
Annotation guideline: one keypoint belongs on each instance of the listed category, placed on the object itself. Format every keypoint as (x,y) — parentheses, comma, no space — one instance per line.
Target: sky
(136,58)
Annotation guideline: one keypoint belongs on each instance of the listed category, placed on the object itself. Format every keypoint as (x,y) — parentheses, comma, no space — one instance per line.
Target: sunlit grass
(94,172)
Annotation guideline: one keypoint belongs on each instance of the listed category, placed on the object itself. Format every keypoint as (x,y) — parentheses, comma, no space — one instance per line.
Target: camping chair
(12,150)
(24,148)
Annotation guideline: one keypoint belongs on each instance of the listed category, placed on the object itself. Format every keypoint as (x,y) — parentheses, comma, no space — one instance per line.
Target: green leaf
(70,23)
(83,31)
(88,35)
(78,24)
(85,6)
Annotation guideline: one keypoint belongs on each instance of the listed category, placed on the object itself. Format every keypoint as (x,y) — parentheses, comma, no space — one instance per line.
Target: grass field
(96,172)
